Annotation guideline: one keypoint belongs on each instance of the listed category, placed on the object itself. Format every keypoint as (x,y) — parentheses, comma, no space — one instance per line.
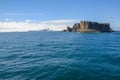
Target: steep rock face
(69,29)
(87,26)
(76,26)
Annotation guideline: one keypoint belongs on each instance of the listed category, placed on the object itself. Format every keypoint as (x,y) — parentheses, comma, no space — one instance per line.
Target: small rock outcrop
(69,29)
(87,26)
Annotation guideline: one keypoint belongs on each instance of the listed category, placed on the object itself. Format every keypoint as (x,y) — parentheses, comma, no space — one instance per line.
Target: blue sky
(44,10)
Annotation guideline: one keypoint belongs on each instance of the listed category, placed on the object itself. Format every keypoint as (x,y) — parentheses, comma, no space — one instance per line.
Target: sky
(56,13)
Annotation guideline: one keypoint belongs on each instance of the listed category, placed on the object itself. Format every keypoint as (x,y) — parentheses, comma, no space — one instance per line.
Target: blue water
(59,56)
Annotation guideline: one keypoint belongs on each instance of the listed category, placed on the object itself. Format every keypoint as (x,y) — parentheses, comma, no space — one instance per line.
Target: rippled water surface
(59,56)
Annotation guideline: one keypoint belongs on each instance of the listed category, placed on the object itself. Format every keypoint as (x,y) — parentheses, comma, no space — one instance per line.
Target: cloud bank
(28,25)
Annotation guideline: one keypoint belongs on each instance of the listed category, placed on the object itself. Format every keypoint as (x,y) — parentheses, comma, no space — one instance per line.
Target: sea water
(49,55)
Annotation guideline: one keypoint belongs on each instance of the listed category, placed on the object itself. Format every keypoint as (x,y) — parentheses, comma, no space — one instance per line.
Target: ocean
(47,55)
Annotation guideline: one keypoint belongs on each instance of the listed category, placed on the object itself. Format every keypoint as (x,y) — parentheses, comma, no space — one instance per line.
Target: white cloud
(28,20)
(28,25)
(60,21)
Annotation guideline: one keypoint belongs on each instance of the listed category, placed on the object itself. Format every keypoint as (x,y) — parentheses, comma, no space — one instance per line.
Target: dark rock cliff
(76,26)
(87,26)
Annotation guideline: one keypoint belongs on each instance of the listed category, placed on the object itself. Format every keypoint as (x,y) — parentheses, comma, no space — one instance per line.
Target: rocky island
(88,26)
